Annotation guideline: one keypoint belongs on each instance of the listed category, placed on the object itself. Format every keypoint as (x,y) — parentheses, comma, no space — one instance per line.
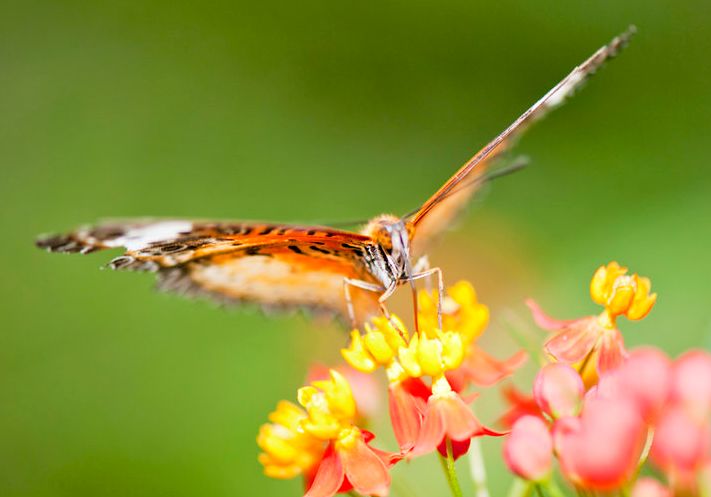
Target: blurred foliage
(318,111)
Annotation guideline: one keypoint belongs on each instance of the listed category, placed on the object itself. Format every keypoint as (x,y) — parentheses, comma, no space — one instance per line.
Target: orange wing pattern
(276,266)
(438,212)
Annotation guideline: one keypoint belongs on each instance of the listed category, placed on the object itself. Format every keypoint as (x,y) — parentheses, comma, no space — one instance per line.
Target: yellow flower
(620,293)
(321,441)
(330,406)
(288,451)
(425,356)
(431,352)
(461,311)
(378,346)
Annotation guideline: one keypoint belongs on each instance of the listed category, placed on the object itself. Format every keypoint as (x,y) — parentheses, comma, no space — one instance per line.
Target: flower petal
(612,351)
(432,431)
(649,487)
(485,370)
(458,448)
(574,342)
(365,470)
(520,405)
(460,422)
(329,476)
(405,415)
(544,320)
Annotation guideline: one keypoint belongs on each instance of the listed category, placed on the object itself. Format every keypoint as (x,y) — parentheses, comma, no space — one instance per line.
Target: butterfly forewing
(438,212)
(276,266)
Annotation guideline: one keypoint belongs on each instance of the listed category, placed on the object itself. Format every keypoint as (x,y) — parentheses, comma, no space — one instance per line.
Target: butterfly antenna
(518,164)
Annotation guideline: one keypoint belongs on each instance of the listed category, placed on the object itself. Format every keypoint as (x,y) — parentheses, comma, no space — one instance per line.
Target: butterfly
(316,267)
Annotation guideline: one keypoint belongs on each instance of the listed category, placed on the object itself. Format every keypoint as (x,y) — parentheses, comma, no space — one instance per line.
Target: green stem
(450,471)
(520,488)
(552,488)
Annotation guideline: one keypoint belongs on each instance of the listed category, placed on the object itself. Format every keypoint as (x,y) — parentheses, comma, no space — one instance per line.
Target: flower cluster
(648,408)
(596,413)
(604,424)
(593,343)
(321,441)
(429,370)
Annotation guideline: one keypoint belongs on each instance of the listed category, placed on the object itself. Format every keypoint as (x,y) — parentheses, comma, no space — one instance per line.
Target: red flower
(408,403)
(447,416)
(520,405)
(350,463)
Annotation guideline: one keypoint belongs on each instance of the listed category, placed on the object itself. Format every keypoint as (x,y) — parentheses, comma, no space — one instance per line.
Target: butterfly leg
(363,285)
(440,288)
(422,265)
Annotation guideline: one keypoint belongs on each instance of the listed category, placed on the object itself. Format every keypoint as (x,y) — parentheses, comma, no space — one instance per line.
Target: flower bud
(558,390)
(691,383)
(528,450)
(649,487)
(601,449)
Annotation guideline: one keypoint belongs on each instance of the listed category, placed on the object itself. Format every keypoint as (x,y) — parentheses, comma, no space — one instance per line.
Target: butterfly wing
(438,212)
(275,266)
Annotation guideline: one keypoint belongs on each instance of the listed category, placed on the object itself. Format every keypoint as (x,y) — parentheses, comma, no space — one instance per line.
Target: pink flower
(600,450)
(691,383)
(681,445)
(649,487)
(645,378)
(574,340)
(528,449)
(558,390)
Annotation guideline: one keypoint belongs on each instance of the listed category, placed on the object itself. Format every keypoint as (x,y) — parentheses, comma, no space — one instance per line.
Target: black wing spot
(348,246)
(311,232)
(252,251)
(60,243)
(175,247)
(318,249)
(266,230)
(295,249)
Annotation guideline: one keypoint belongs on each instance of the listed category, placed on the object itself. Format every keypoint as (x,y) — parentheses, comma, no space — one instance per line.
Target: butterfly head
(393,235)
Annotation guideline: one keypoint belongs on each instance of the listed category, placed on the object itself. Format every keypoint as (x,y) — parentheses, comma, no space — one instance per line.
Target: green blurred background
(321,111)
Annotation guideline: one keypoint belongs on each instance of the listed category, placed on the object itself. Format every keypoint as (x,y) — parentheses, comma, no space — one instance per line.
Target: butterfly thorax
(392,239)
